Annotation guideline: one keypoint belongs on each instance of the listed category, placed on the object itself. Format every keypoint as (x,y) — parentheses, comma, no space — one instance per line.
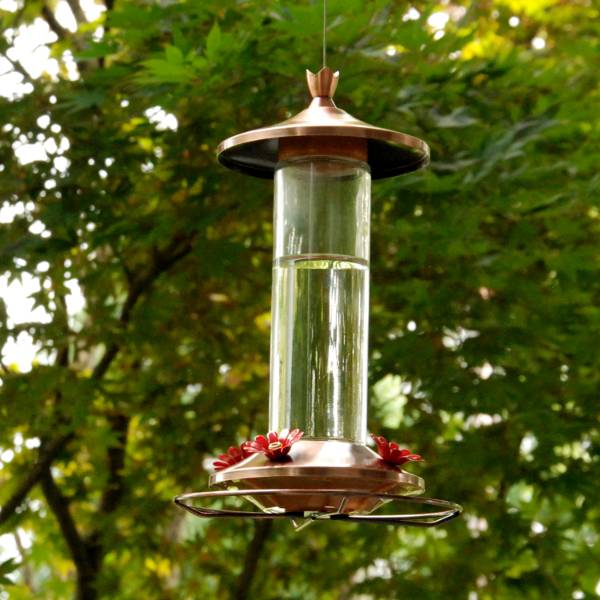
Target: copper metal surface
(321,465)
(323,83)
(320,145)
(449,510)
(388,152)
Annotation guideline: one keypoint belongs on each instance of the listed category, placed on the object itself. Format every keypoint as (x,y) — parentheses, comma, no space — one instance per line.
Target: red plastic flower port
(234,455)
(392,453)
(274,445)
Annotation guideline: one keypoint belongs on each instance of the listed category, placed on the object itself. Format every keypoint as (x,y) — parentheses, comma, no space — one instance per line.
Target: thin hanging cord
(324,33)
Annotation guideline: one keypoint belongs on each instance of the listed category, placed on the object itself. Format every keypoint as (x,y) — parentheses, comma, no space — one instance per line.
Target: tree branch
(58,29)
(113,492)
(77,11)
(18,67)
(119,423)
(116,463)
(48,452)
(262,529)
(77,548)
(25,566)
(161,264)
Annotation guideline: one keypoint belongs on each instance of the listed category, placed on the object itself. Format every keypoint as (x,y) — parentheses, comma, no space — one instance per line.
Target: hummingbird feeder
(319,465)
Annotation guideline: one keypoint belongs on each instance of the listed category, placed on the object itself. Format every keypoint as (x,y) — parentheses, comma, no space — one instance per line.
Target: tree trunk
(244,583)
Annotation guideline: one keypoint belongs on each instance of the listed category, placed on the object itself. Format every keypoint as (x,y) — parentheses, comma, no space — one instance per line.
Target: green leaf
(163,71)
(173,54)
(214,44)
(8,567)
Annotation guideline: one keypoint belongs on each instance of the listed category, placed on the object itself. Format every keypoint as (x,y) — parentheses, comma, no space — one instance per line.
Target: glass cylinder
(320,306)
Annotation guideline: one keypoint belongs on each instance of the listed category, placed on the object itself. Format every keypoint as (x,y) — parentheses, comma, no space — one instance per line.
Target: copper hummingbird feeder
(322,161)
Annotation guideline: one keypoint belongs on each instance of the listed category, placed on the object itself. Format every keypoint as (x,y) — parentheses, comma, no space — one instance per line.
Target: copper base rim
(313,464)
(363,478)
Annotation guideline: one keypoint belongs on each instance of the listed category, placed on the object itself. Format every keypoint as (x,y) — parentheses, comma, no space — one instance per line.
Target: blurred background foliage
(149,268)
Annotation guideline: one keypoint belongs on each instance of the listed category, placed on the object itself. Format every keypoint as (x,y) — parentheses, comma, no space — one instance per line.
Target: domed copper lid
(388,152)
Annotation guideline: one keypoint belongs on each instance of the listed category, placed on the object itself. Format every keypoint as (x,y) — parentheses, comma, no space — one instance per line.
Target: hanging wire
(324,33)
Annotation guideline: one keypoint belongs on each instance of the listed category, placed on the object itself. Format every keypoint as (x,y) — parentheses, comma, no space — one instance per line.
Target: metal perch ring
(416,519)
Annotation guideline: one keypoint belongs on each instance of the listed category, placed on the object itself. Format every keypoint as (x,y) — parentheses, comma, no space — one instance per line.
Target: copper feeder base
(319,480)
(320,465)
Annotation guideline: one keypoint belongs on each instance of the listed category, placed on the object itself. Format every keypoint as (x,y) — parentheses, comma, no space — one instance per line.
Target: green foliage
(484,312)
(6,568)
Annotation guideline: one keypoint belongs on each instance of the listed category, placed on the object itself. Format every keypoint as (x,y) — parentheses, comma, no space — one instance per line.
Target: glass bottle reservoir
(319,343)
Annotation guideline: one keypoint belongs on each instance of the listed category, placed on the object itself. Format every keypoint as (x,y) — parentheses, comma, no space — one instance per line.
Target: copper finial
(323,83)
